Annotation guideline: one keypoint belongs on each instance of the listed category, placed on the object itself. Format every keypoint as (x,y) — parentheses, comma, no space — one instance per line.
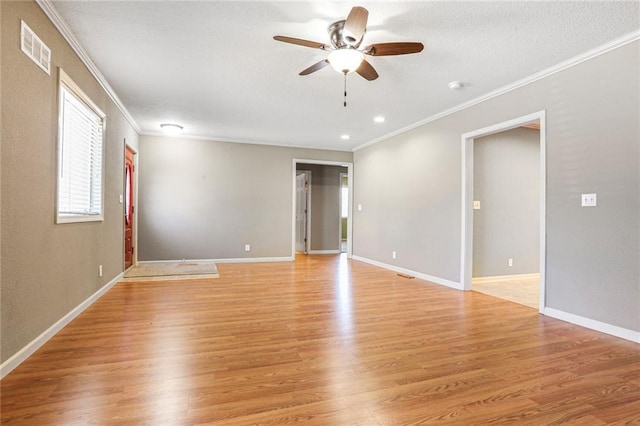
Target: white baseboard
(234,260)
(613,330)
(436,280)
(24,353)
(324,251)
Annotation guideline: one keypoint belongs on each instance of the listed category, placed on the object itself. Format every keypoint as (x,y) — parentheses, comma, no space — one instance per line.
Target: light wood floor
(322,340)
(522,289)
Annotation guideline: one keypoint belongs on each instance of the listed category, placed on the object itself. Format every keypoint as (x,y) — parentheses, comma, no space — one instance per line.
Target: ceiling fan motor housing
(339,39)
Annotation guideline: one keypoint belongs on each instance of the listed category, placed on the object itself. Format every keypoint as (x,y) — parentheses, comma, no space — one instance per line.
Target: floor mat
(172,270)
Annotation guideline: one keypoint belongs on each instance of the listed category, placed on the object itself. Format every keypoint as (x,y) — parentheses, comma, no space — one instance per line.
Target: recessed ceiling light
(455,85)
(379,119)
(171,129)
(345,137)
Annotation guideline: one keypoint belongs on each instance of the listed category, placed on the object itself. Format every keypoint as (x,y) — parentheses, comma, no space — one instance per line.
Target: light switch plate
(589,200)
(359,207)
(476,205)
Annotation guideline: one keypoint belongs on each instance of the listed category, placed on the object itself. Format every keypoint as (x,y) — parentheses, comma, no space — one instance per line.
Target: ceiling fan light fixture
(171,129)
(345,61)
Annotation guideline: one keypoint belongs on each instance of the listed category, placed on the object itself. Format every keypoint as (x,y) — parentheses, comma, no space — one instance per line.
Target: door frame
(307,243)
(349,166)
(340,223)
(134,237)
(466,256)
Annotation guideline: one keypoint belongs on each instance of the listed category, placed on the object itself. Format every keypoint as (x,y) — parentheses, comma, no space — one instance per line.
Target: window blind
(80,159)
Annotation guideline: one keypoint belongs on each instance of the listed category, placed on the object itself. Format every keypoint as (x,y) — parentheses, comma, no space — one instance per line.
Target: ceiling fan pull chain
(345,89)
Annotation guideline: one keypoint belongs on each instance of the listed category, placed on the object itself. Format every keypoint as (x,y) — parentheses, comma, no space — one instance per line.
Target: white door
(302,188)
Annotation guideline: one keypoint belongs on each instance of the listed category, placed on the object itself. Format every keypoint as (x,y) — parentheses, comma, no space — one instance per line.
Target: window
(80,145)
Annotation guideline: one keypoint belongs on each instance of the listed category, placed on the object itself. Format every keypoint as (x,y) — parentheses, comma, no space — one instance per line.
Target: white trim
(613,330)
(230,260)
(590,54)
(430,278)
(24,353)
(466,226)
(242,141)
(66,32)
(323,162)
(349,166)
(350,210)
(324,251)
(340,222)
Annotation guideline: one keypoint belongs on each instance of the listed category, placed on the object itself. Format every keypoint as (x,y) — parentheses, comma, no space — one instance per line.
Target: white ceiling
(213,66)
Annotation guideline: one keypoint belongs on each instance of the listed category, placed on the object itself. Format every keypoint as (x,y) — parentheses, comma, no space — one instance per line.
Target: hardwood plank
(323,340)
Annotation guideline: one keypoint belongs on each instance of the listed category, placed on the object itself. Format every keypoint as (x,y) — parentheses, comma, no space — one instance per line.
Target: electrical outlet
(510,262)
(100,270)
(393,254)
(247,247)
(589,200)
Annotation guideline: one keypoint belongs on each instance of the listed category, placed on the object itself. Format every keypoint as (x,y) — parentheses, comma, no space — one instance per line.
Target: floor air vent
(34,48)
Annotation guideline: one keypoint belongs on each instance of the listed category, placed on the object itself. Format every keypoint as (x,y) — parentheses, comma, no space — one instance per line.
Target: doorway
(466,268)
(506,215)
(324,207)
(129,207)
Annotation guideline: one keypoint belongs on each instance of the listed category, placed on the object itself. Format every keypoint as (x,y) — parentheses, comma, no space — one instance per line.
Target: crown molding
(53,15)
(239,141)
(590,54)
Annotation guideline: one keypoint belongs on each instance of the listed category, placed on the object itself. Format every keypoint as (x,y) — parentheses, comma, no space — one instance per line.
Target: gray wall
(325,205)
(201,199)
(410,187)
(506,181)
(48,269)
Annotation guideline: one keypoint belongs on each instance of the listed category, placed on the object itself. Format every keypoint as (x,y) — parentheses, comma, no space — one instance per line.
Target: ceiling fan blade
(301,42)
(315,67)
(388,49)
(355,25)
(367,71)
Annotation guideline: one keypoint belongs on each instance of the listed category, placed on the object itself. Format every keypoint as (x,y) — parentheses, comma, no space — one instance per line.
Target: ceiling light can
(455,85)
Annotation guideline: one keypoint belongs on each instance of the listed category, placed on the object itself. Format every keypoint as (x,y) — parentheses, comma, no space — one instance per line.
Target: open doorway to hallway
(503,210)
(328,229)
(506,214)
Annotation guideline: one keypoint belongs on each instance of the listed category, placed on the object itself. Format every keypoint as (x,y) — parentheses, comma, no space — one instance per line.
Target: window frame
(65,82)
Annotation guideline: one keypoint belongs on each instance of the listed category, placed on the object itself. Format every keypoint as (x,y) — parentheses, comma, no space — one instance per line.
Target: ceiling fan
(344,53)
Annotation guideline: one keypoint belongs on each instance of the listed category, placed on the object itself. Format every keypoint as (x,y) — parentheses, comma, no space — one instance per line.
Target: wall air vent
(34,48)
